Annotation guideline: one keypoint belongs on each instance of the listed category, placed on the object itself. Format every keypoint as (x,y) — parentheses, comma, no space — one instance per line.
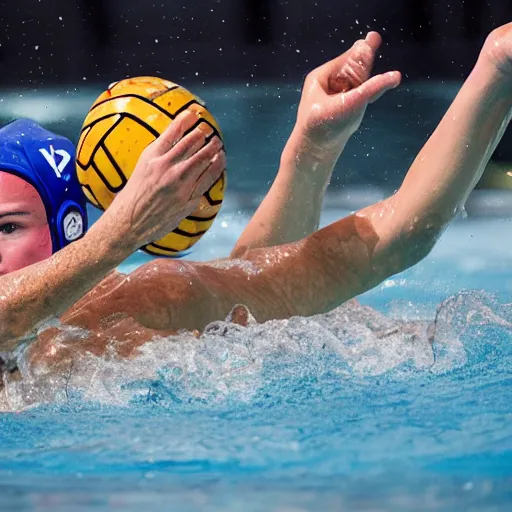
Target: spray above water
(238,358)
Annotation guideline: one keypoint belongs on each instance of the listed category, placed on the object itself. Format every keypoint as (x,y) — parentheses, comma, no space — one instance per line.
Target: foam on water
(229,360)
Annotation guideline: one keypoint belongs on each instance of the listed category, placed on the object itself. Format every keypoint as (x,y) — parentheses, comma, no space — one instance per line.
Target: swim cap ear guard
(47,162)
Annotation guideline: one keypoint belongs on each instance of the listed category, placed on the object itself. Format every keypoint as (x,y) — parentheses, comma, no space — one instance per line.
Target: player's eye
(8,228)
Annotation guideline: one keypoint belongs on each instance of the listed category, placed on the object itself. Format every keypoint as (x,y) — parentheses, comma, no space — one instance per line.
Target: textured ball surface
(121,123)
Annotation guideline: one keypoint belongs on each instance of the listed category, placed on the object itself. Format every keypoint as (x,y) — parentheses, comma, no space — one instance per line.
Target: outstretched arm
(454,158)
(349,256)
(170,178)
(333,103)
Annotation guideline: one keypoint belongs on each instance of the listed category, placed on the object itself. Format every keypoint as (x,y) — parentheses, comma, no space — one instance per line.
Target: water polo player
(306,277)
(42,208)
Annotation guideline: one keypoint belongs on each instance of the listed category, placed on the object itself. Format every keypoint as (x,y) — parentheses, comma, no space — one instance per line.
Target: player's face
(24,232)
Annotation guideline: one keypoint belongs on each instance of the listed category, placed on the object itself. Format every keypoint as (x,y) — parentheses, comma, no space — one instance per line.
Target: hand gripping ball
(121,123)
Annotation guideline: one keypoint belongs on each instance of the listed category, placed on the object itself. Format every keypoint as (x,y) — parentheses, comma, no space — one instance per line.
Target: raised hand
(335,95)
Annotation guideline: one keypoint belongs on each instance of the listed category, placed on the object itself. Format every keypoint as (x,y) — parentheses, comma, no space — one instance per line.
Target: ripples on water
(345,407)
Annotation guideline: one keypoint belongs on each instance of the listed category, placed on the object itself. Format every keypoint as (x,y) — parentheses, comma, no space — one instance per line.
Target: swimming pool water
(354,410)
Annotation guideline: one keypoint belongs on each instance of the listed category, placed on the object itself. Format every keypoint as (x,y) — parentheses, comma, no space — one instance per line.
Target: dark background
(229,51)
(65,41)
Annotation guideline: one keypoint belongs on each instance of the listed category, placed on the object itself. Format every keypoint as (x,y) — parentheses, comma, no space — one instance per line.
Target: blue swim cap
(47,162)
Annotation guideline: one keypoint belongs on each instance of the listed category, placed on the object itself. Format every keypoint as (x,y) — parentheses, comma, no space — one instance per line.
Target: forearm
(291,210)
(333,102)
(454,158)
(49,288)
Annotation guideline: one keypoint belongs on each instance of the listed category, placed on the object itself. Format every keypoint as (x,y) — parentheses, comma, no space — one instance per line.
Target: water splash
(236,362)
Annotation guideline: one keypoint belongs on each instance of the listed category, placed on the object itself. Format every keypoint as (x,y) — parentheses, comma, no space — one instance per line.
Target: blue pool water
(346,411)
(354,410)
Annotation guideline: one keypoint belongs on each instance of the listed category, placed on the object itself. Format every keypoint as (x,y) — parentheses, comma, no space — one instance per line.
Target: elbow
(415,243)
(419,247)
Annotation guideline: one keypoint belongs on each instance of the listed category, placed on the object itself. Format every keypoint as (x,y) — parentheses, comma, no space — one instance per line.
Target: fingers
(197,165)
(375,87)
(174,132)
(188,145)
(210,176)
(354,67)
(203,156)
(374,40)
(205,168)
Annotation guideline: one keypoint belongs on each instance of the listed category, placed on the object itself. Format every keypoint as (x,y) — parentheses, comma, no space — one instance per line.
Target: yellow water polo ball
(121,123)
